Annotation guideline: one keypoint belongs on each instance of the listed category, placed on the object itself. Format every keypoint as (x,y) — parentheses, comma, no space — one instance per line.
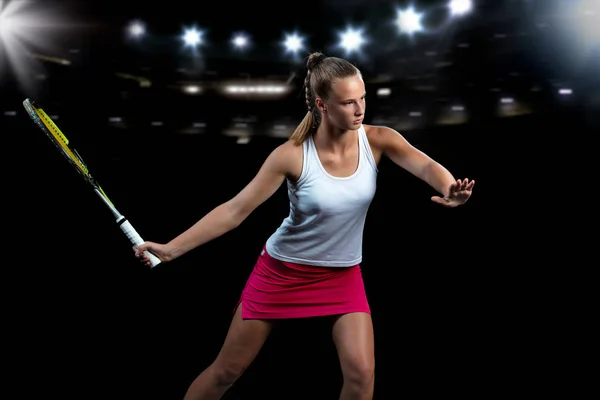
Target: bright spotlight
(136,29)
(409,21)
(192,89)
(460,7)
(192,37)
(352,39)
(27,27)
(6,24)
(293,43)
(240,41)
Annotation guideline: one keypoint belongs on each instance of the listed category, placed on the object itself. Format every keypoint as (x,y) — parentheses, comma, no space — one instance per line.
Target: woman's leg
(243,342)
(353,338)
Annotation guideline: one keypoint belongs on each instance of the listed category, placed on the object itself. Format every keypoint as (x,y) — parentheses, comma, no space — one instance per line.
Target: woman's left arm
(402,153)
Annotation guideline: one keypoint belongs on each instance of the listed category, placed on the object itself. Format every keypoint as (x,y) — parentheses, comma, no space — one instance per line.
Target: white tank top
(327,214)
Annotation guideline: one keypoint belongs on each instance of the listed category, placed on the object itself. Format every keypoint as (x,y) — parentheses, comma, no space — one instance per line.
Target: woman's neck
(334,139)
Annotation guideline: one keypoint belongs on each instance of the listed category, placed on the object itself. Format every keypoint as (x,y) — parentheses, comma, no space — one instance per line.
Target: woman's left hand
(458,194)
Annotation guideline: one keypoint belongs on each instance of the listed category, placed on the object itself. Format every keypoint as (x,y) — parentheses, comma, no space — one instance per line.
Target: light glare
(293,42)
(459,7)
(192,37)
(352,39)
(409,21)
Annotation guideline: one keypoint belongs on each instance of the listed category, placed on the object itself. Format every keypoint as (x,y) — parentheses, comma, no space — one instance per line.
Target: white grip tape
(136,239)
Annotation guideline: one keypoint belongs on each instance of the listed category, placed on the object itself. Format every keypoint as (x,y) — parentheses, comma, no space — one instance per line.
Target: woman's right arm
(230,214)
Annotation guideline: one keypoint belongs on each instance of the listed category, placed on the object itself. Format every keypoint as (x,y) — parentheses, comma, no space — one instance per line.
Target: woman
(310,266)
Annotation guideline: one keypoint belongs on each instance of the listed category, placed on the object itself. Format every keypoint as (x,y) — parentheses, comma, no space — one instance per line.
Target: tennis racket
(45,123)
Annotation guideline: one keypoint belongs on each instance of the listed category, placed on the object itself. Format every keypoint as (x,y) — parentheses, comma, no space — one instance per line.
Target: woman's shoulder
(290,156)
(376,135)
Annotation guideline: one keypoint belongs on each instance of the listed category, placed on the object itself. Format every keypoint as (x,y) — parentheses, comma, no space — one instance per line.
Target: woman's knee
(243,342)
(359,373)
(226,372)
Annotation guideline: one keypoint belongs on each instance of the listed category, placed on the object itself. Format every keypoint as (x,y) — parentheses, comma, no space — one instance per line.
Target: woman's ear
(320,105)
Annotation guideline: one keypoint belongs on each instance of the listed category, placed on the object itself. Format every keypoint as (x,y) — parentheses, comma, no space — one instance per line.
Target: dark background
(459,297)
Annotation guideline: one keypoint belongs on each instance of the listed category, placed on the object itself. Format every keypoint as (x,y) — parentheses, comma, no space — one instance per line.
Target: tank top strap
(307,158)
(365,148)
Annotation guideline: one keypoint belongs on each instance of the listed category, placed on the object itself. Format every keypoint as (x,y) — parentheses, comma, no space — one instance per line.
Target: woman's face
(345,107)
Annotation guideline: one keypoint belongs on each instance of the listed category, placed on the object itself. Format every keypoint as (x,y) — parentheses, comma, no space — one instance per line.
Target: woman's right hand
(159,250)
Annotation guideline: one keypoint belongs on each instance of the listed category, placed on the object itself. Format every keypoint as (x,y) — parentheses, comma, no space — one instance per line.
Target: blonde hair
(321,71)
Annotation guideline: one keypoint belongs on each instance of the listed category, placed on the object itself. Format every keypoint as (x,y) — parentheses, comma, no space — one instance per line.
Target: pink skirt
(282,290)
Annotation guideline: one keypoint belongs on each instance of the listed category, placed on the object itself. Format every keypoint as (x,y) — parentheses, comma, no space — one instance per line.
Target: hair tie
(320,58)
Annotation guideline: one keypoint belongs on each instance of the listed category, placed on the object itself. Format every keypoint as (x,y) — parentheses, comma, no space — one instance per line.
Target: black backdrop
(452,307)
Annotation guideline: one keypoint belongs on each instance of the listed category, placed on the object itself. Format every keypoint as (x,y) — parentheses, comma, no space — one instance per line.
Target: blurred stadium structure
(432,63)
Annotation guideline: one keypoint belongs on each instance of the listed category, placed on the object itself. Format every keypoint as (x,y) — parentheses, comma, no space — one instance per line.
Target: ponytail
(304,129)
(307,126)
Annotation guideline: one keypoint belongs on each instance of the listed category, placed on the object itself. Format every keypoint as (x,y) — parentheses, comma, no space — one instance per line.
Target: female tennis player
(310,266)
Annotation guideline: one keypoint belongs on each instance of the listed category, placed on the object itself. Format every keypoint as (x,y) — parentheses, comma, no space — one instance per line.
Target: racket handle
(136,239)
